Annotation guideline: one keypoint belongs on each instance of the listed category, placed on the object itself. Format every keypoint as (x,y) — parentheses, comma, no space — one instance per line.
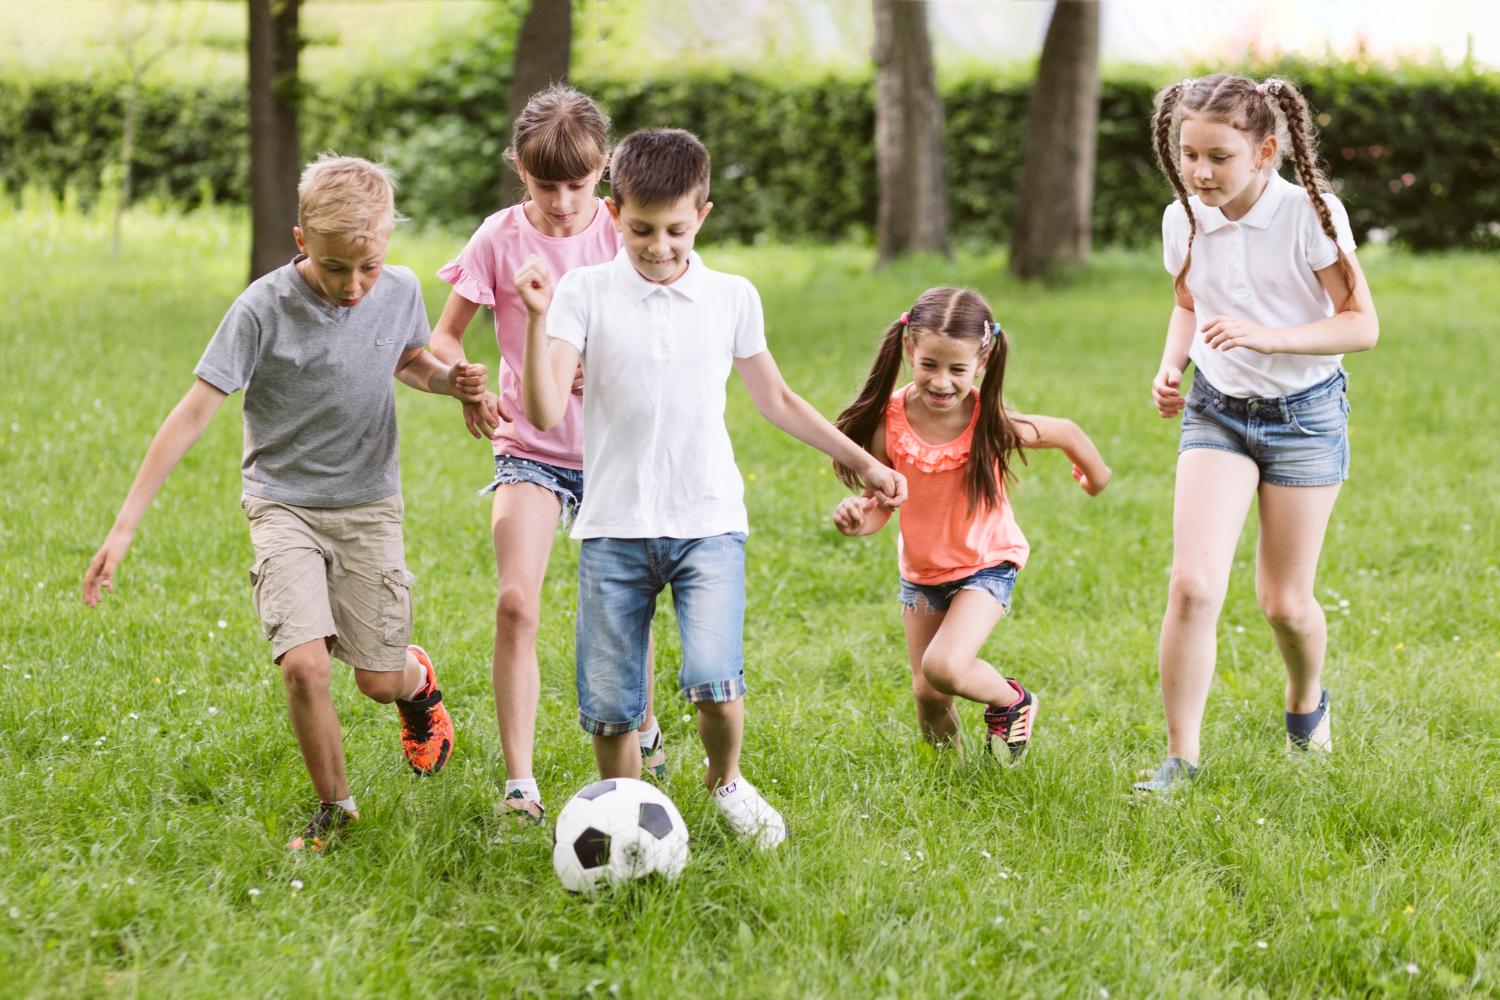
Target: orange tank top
(941,539)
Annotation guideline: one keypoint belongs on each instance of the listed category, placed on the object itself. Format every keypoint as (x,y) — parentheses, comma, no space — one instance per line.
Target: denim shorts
(565,484)
(618,582)
(997,581)
(1296,440)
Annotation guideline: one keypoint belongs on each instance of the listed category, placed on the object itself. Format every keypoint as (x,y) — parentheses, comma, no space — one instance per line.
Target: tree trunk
(913,210)
(275,161)
(1057,182)
(127,157)
(544,49)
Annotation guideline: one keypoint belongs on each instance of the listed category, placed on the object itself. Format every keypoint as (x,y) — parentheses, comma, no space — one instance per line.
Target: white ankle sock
(347,805)
(648,736)
(412,696)
(527,788)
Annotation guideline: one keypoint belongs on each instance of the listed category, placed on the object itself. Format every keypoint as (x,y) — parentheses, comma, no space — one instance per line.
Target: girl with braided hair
(1269,299)
(960,549)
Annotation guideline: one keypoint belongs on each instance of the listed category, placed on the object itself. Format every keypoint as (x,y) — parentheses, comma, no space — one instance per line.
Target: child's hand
(467,381)
(484,418)
(888,484)
(1224,333)
(1165,394)
(534,285)
(1092,485)
(101,571)
(849,515)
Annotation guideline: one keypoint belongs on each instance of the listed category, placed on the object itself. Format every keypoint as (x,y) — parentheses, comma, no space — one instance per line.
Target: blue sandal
(1310,731)
(1173,771)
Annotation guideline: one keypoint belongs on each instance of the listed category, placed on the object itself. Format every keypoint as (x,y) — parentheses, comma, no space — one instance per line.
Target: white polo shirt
(657,461)
(1261,269)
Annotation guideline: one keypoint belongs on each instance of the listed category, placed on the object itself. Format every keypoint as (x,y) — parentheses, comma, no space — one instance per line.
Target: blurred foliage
(1414,149)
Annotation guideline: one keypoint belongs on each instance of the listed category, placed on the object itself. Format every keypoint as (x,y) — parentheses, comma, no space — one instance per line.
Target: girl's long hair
(1274,107)
(960,314)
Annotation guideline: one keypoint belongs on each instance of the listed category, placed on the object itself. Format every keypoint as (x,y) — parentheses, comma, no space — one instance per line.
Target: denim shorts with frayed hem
(565,484)
(618,583)
(997,581)
(1296,440)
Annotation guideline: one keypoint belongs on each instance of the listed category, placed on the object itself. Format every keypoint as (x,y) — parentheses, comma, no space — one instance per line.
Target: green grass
(150,777)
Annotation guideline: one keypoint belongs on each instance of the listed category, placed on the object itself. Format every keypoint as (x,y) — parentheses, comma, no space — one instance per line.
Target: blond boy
(314,345)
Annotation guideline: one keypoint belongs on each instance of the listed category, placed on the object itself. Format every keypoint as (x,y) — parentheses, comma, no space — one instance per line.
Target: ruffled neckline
(901,441)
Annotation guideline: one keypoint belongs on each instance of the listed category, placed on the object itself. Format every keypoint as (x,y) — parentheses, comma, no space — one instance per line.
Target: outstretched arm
(863,515)
(179,432)
(461,380)
(1039,432)
(484,417)
(795,415)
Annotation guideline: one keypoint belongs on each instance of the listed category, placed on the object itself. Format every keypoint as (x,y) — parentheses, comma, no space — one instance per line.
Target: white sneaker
(750,816)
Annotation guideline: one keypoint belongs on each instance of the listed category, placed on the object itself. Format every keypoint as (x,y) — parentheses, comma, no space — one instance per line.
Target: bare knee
(306,670)
(1290,613)
(1191,596)
(940,670)
(518,611)
(384,686)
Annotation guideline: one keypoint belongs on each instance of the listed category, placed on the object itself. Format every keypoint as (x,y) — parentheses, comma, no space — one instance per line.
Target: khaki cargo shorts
(337,573)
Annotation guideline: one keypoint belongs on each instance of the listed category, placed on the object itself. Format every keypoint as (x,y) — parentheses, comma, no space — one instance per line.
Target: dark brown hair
(1259,110)
(658,166)
(960,314)
(561,135)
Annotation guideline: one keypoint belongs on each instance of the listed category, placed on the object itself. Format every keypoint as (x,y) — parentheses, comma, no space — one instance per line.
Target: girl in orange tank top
(960,548)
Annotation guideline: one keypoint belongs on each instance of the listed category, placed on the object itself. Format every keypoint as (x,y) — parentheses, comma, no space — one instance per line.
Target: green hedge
(1415,151)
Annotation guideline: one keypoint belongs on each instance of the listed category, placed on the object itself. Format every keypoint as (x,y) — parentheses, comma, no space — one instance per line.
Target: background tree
(544,49)
(275,155)
(1057,181)
(913,206)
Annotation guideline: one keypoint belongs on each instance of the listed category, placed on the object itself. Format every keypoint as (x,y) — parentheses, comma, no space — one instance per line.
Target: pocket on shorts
(395,610)
(1329,417)
(271,617)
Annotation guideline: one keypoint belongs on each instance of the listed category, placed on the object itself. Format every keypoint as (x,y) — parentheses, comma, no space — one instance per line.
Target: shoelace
(417,719)
(323,820)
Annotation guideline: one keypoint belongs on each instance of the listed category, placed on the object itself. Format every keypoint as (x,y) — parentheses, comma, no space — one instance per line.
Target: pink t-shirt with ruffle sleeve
(484,272)
(941,539)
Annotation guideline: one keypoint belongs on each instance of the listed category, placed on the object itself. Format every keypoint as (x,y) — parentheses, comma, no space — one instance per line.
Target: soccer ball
(617,830)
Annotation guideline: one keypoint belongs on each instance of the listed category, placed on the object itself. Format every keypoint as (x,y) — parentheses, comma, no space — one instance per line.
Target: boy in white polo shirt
(658,332)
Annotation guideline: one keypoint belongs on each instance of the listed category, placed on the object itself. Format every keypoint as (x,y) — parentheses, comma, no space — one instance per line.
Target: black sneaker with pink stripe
(1011,724)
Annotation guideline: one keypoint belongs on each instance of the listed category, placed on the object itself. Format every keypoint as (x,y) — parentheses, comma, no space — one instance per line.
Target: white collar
(1260,214)
(689,284)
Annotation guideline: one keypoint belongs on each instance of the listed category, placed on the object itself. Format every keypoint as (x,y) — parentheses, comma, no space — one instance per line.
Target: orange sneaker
(328,822)
(426,729)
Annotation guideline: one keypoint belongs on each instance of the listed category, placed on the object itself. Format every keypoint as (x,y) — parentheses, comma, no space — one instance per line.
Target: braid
(1303,143)
(1166,107)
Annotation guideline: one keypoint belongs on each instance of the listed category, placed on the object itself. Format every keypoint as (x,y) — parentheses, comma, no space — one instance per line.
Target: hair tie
(906,319)
(990,330)
(1271,88)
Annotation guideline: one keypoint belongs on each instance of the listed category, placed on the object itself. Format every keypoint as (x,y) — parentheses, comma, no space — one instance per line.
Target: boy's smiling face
(340,270)
(660,237)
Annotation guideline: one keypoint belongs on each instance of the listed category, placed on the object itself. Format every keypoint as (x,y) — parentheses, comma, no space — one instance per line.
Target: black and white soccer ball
(615,831)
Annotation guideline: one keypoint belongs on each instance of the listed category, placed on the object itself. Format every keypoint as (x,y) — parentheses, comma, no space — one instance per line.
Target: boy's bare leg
(618,756)
(306,671)
(385,686)
(721,727)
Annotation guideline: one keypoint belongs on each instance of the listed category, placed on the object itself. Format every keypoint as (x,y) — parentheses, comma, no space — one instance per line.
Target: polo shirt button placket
(659,306)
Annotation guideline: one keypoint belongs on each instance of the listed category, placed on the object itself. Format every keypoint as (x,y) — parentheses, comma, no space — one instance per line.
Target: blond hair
(347,196)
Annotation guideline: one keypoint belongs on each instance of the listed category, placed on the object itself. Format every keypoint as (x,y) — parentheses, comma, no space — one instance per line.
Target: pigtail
(1166,107)
(1304,157)
(863,417)
(996,439)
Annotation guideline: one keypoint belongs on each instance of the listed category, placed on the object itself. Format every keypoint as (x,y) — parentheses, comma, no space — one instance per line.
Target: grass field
(150,777)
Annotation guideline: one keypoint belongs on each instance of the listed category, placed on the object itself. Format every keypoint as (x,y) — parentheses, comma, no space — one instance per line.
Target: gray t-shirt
(320,408)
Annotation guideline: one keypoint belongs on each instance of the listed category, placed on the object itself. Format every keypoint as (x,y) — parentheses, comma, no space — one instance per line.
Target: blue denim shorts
(618,582)
(565,484)
(997,581)
(1296,440)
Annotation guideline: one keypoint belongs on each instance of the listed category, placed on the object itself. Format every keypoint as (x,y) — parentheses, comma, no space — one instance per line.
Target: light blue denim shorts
(565,484)
(997,581)
(618,583)
(1296,440)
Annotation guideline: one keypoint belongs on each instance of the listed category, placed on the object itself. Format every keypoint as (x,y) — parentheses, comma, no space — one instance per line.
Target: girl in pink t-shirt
(960,549)
(560,147)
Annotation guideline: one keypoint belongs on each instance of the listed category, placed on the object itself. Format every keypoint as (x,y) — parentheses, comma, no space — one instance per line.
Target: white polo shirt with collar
(1259,268)
(657,460)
